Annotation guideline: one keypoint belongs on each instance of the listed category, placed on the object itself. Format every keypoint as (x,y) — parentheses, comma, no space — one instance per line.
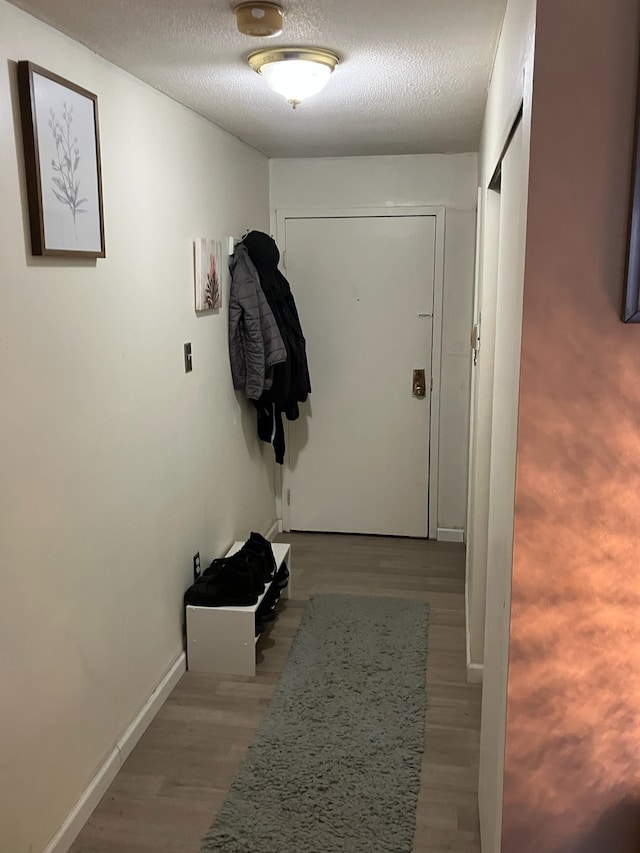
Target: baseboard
(475,673)
(273,531)
(450,534)
(151,707)
(83,809)
(81,812)
(467,623)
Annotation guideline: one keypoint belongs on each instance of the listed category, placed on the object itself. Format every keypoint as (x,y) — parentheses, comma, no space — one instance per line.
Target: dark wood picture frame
(64,185)
(631,297)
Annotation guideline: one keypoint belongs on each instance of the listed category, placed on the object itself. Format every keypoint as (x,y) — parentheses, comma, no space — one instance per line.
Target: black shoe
(243,561)
(214,568)
(230,582)
(264,547)
(222,593)
(261,547)
(271,598)
(267,616)
(282,577)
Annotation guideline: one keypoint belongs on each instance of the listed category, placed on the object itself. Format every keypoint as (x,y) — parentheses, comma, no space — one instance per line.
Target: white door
(358,459)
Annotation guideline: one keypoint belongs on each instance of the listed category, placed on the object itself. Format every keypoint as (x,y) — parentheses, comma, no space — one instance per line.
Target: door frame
(473,673)
(280,216)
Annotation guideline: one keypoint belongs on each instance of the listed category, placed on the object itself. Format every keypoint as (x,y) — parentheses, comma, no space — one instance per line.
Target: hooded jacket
(255,342)
(291,383)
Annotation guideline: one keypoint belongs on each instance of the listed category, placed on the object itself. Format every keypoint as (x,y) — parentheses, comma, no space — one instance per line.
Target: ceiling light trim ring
(281,54)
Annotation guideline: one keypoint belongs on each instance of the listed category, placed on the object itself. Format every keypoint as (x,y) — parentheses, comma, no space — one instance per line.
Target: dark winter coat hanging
(291,384)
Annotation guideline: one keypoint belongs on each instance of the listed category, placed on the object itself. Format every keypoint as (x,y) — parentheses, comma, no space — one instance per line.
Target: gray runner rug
(335,766)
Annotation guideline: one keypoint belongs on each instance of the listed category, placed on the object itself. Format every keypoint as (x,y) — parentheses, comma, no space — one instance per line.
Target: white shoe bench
(223,639)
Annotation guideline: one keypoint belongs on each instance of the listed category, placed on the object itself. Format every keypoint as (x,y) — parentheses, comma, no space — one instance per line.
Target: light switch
(188,361)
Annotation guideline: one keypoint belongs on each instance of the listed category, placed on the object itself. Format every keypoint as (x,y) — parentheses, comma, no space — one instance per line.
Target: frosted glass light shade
(294,73)
(296,79)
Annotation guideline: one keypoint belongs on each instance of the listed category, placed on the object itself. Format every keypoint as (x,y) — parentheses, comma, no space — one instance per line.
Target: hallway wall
(573,718)
(489,547)
(115,466)
(412,180)
(513,63)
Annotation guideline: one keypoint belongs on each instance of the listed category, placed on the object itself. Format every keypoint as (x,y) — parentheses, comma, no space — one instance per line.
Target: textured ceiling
(412,80)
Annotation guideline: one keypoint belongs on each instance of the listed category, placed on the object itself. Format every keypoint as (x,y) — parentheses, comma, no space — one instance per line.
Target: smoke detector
(260,20)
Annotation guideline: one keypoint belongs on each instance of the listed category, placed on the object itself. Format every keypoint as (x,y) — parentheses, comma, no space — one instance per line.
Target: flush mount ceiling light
(295,73)
(261,20)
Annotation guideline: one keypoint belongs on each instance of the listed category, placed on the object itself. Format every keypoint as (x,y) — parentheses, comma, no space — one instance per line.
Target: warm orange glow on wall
(572,782)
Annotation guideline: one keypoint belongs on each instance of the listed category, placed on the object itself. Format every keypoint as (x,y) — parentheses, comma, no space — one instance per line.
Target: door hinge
(288,497)
(475,341)
(475,337)
(432,383)
(284,260)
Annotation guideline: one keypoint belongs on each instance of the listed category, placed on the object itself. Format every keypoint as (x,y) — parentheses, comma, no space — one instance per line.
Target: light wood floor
(166,795)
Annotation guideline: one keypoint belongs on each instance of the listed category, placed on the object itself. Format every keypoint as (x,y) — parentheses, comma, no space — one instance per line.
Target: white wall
(115,466)
(502,475)
(514,56)
(449,180)
(511,84)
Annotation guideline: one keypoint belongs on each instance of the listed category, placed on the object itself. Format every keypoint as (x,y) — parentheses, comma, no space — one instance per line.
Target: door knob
(419,384)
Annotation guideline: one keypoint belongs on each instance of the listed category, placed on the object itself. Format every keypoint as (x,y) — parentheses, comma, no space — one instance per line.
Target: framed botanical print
(62,159)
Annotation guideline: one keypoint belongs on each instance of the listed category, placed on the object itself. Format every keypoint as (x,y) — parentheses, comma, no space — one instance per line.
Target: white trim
(475,673)
(436,364)
(476,319)
(467,622)
(279,218)
(273,531)
(285,480)
(97,787)
(450,534)
(83,809)
(277,481)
